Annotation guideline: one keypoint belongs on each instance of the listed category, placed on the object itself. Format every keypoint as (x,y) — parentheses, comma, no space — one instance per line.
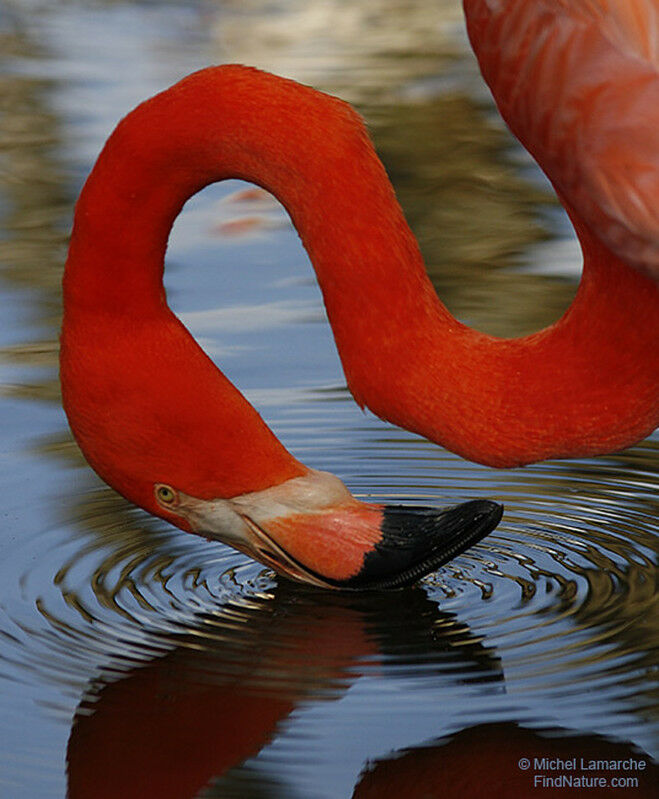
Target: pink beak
(312,529)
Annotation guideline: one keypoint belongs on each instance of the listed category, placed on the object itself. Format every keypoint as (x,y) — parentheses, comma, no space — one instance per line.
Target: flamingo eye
(166,496)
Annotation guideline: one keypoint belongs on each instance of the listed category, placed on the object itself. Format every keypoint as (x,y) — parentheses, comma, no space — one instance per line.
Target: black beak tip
(417,541)
(485,511)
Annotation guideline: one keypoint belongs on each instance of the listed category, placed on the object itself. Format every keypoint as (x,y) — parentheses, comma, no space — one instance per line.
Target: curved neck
(309,149)
(588,384)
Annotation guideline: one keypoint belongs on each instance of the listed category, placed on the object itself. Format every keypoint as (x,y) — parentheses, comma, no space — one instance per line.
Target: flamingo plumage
(577,82)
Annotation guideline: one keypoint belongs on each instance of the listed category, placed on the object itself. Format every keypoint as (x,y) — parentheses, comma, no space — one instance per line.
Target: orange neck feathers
(147,406)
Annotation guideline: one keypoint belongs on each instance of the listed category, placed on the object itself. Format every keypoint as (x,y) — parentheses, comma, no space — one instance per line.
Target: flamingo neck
(587,385)
(148,407)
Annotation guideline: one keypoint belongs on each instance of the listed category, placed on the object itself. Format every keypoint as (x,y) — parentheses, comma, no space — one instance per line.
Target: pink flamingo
(578,84)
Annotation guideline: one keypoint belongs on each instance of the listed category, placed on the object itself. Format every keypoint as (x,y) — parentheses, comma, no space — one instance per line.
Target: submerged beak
(311,529)
(413,542)
(416,541)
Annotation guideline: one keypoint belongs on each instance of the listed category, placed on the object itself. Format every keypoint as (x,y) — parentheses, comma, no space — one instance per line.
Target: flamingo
(576,81)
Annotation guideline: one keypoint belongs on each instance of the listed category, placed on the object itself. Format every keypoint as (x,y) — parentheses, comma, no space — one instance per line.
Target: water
(138,661)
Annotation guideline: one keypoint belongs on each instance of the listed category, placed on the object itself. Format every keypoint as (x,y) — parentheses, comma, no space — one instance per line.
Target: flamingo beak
(417,541)
(413,542)
(311,529)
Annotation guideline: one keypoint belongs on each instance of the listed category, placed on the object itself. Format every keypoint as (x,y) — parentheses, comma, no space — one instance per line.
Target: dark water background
(190,670)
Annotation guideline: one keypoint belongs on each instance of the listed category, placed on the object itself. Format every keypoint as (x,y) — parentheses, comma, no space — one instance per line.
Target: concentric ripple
(558,599)
(553,608)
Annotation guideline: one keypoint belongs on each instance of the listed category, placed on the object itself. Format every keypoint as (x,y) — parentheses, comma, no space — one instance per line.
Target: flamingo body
(157,419)
(577,81)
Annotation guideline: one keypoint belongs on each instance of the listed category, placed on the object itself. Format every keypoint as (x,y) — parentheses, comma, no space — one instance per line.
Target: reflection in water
(549,624)
(484,761)
(168,728)
(461,225)
(34,214)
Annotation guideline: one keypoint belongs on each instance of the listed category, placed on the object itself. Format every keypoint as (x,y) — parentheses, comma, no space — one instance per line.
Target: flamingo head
(312,530)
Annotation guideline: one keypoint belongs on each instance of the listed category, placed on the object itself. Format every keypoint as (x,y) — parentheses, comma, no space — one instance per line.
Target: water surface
(138,661)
